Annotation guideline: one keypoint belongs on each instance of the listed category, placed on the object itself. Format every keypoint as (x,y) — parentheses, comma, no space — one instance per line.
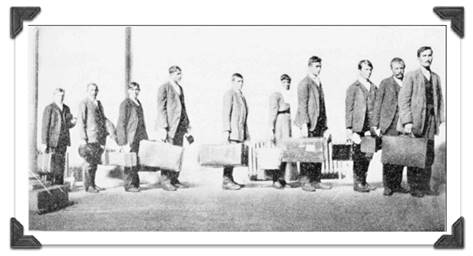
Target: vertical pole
(34,102)
(127,57)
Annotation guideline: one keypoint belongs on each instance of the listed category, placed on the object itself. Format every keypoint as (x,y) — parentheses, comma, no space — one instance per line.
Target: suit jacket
(358,103)
(310,103)
(412,102)
(235,114)
(385,106)
(54,121)
(170,109)
(92,122)
(131,126)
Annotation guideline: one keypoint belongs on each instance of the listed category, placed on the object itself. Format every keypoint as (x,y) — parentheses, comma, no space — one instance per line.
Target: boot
(228,184)
(166,182)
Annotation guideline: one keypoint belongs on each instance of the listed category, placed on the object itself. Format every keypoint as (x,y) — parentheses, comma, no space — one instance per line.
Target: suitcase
(341,152)
(370,144)
(307,150)
(49,199)
(125,159)
(160,155)
(220,155)
(405,151)
(46,162)
(268,158)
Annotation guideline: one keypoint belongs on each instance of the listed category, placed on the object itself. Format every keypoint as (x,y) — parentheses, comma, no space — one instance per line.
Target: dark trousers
(228,170)
(58,164)
(312,171)
(361,162)
(392,174)
(280,173)
(89,167)
(177,140)
(418,178)
(131,177)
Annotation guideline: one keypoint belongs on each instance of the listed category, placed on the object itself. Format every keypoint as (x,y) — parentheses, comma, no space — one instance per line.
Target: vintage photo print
(212,134)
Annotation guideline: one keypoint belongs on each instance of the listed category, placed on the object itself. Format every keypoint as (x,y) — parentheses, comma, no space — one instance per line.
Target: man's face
(398,69)
(426,58)
(237,82)
(314,68)
(134,92)
(365,71)
(59,97)
(93,90)
(176,76)
(286,84)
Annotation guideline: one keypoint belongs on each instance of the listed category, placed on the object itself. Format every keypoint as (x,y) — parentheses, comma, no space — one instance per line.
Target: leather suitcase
(268,158)
(160,155)
(370,144)
(307,150)
(49,199)
(125,159)
(404,150)
(341,152)
(220,155)
(46,162)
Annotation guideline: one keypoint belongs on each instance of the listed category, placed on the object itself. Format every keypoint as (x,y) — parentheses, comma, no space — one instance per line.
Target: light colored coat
(309,99)
(235,115)
(170,109)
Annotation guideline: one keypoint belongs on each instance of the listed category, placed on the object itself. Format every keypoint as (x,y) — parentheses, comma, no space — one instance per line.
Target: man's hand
(82,142)
(349,134)
(408,128)
(226,136)
(126,148)
(375,131)
(74,121)
(162,134)
(43,147)
(356,138)
(327,135)
(304,131)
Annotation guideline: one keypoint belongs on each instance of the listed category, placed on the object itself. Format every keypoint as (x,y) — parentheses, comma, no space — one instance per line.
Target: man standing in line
(131,130)
(235,128)
(421,113)
(55,137)
(312,119)
(385,119)
(173,122)
(359,105)
(93,133)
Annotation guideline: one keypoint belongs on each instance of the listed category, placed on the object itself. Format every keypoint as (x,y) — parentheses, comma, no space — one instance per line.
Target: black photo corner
(19,240)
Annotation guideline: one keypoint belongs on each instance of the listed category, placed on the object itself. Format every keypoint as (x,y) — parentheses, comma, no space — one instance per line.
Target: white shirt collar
(60,106)
(366,83)
(316,79)
(426,73)
(398,81)
(176,87)
(135,100)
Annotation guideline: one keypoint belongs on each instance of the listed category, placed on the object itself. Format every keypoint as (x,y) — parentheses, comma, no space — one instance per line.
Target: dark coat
(386,106)
(356,105)
(309,105)
(170,109)
(235,115)
(131,126)
(412,102)
(92,122)
(54,120)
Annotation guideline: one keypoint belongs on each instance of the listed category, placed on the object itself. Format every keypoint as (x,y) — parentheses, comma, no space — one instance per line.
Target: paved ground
(257,207)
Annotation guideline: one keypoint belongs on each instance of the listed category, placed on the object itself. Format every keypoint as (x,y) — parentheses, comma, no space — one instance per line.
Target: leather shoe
(308,187)
(178,184)
(92,190)
(417,193)
(388,192)
(99,188)
(358,187)
(401,190)
(133,189)
(430,192)
(320,185)
(370,187)
(277,185)
(230,186)
(168,186)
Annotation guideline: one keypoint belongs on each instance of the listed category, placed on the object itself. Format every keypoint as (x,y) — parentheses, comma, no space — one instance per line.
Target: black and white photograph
(238,128)
(262,125)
